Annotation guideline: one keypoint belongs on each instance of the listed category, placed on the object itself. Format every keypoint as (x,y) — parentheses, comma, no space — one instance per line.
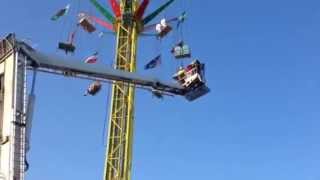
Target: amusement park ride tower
(119,152)
(128,24)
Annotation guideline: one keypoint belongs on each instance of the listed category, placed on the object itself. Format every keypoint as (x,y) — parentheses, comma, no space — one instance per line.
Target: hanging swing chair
(93,88)
(68,46)
(163,28)
(86,23)
(181,50)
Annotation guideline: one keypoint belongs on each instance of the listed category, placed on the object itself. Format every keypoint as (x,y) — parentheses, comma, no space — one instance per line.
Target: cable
(33,81)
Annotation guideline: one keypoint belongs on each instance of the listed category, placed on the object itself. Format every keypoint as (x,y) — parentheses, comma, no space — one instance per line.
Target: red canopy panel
(139,13)
(102,23)
(115,7)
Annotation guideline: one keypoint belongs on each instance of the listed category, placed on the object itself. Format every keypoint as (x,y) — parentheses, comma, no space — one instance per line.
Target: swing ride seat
(180,52)
(164,31)
(67,47)
(86,24)
(94,88)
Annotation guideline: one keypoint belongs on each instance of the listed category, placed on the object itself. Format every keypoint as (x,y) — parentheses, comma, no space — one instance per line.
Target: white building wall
(11,152)
(8,109)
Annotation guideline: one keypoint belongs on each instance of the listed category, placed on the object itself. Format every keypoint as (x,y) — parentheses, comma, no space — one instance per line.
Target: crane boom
(77,68)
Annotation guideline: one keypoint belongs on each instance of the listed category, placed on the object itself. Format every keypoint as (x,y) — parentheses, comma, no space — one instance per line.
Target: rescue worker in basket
(163,28)
(93,88)
(192,76)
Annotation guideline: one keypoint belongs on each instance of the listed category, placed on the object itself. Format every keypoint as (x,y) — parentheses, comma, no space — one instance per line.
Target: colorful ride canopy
(115,6)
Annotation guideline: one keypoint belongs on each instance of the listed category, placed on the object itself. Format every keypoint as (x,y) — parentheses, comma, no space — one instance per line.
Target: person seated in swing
(86,23)
(93,88)
(163,28)
(181,50)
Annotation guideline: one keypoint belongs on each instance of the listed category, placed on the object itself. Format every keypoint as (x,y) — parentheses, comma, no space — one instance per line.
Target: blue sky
(259,122)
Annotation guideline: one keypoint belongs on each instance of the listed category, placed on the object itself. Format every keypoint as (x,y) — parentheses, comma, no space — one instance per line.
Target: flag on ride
(92,59)
(153,63)
(60,13)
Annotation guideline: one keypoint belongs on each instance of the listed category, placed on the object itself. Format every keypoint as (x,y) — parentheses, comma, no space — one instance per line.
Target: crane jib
(43,61)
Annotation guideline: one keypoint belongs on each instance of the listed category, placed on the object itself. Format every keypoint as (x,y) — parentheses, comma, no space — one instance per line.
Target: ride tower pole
(120,133)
